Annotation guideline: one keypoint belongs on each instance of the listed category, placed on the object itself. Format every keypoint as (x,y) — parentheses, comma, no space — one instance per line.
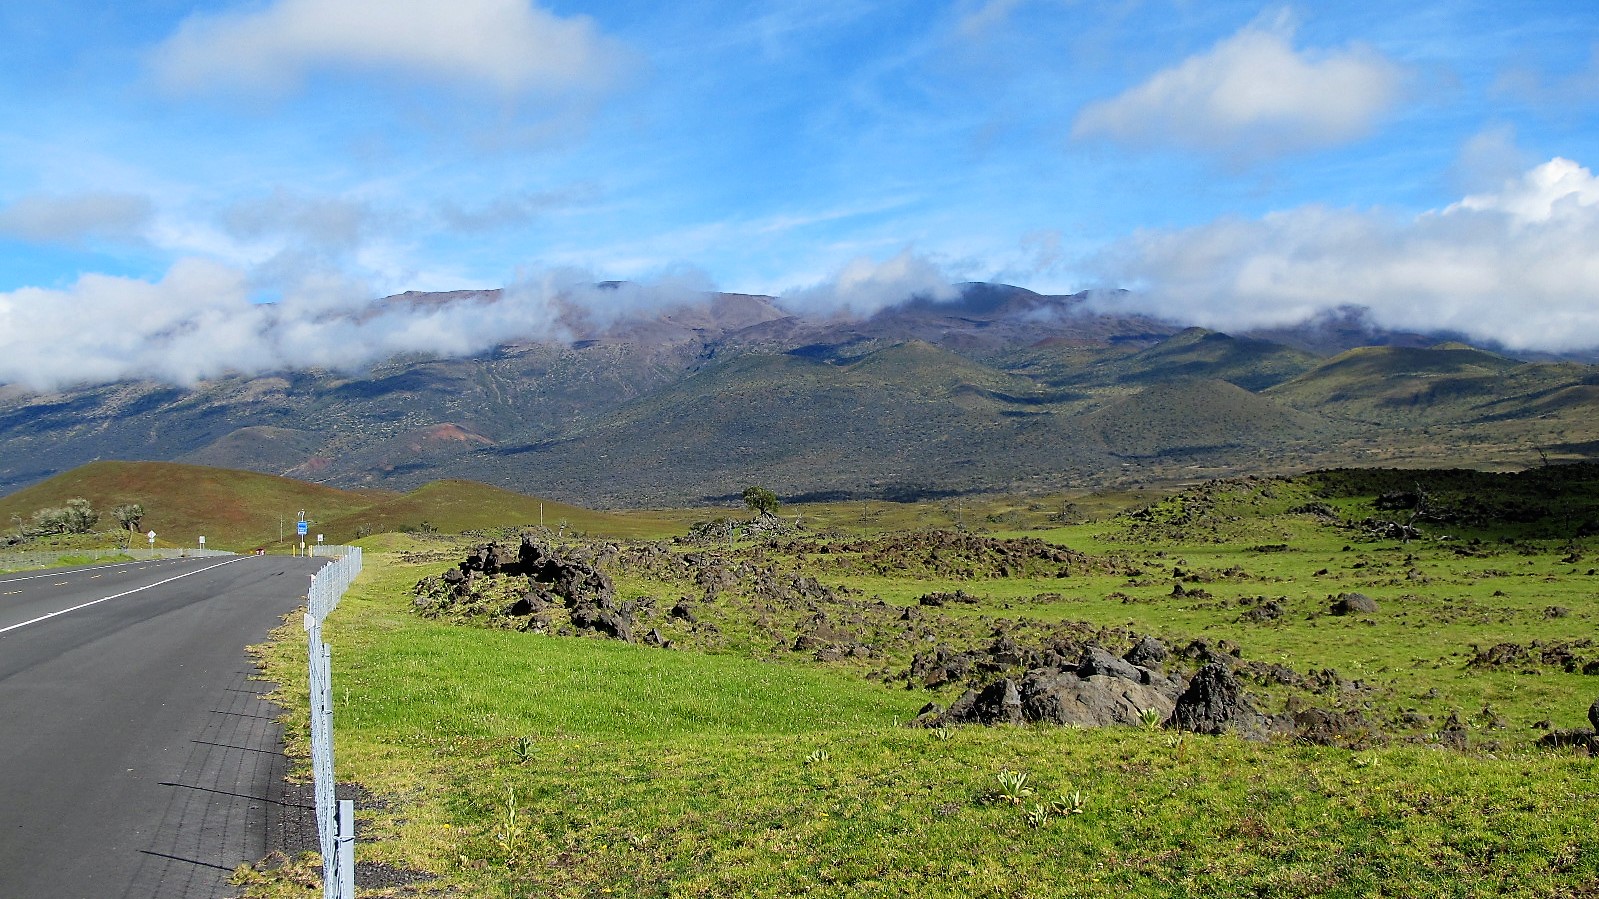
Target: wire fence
(56,558)
(335,821)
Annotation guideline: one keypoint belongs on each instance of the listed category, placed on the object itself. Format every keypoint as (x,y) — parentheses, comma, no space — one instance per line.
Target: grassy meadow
(499,762)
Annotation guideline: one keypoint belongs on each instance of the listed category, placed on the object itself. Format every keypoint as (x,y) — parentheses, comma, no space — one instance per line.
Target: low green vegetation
(760,746)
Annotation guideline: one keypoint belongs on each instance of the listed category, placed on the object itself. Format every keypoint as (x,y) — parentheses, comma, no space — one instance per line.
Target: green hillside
(1187,417)
(232,509)
(243,509)
(1441,383)
(1198,353)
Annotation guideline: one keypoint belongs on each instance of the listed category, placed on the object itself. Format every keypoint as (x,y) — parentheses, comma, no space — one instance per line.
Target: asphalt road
(137,757)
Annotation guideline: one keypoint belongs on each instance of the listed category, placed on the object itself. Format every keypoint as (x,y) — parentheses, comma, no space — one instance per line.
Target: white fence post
(347,847)
(335,821)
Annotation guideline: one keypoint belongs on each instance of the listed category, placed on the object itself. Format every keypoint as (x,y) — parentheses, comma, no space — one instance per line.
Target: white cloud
(513,46)
(864,286)
(1558,188)
(199,322)
(1251,96)
(1518,266)
(74,218)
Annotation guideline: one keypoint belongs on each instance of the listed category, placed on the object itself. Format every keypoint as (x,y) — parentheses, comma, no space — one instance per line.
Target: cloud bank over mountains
(199,322)
(864,287)
(1519,266)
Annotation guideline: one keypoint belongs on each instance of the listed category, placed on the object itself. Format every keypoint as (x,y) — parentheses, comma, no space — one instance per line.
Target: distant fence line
(52,558)
(335,821)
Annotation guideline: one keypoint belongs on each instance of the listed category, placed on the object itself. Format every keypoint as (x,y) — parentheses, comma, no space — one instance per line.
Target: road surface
(137,757)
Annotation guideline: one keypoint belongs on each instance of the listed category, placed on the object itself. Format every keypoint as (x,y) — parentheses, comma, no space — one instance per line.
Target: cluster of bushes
(76,516)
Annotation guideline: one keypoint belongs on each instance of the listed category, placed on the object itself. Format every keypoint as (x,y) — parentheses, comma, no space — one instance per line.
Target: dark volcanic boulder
(1354,604)
(1065,697)
(1580,740)
(1214,703)
(1148,653)
(997,703)
(611,622)
(531,603)
(1267,611)
(942,665)
(1096,661)
(1000,703)
(1329,727)
(493,558)
(1593,714)
(528,557)
(1099,690)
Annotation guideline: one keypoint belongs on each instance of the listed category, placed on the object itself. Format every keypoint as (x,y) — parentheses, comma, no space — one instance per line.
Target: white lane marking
(95,602)
(57,573)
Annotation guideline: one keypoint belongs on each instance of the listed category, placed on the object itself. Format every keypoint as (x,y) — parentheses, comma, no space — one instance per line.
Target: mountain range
(1001,388)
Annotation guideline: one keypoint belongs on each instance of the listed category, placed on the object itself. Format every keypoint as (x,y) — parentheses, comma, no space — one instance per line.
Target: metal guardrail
(335,821)
(52,558)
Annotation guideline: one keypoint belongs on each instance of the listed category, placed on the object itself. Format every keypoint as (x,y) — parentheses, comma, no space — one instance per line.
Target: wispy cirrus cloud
(1252,96)
(507,210)
(1516,266)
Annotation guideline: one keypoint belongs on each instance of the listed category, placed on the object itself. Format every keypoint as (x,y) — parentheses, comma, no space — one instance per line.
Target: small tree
(81,516)
(761,500)
(77,517)
(129,515)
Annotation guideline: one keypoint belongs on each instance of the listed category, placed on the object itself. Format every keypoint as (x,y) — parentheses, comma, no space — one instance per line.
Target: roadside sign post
(301,527)
(202,541)
(151,537)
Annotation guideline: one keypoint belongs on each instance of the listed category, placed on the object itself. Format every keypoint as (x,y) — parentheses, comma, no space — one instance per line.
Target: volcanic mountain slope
(904,420)
(1000,388)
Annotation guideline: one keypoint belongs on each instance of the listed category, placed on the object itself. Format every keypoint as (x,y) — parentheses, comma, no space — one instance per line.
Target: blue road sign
(301,527)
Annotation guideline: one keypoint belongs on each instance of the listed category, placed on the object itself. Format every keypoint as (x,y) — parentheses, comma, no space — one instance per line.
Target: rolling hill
(1194,418)
(243,509)
(232,509)
(1375,383)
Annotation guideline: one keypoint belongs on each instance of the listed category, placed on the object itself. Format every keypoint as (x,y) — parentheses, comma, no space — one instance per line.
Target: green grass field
(504,763)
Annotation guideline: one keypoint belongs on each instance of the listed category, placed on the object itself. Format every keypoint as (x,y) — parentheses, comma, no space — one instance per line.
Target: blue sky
(1236,164)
